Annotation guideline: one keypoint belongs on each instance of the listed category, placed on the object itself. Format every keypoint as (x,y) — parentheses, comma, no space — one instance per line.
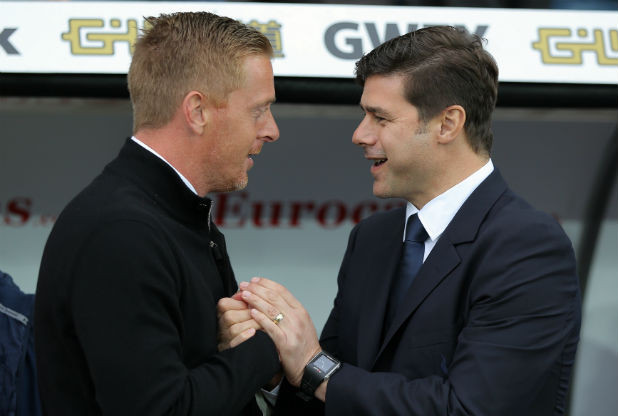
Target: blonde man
(134,266)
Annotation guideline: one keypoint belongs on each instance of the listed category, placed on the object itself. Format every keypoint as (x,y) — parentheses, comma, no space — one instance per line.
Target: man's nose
(270,132)
(363,135)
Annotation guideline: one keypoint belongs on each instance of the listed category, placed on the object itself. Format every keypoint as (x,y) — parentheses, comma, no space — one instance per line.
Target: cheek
(245,131)
(403,153)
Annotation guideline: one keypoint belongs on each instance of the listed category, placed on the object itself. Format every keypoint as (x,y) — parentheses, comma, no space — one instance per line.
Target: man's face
(394,139)
(241,126)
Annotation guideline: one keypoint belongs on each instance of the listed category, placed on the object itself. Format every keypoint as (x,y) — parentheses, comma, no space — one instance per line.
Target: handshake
(262,304)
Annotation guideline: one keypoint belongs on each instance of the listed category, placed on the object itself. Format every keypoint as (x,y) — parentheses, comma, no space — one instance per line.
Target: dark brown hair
(442,66)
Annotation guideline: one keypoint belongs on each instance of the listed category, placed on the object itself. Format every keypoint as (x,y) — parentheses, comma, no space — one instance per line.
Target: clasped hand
(254,307)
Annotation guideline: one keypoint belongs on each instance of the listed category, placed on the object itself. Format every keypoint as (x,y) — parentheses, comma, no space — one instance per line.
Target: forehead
(386,92)
(257,87)
(258,72)
(381,88)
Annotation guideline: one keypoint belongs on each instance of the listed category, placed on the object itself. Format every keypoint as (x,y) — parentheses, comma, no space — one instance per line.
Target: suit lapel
(385,257)
(444,258)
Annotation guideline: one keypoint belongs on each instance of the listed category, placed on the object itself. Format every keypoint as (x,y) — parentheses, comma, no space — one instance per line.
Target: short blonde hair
(181,52)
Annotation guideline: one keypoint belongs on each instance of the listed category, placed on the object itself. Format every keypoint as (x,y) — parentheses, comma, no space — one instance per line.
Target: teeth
(379,162)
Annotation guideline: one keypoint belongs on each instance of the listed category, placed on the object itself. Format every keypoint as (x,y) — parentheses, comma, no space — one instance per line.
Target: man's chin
(238,185)
(380,192)
(241,184)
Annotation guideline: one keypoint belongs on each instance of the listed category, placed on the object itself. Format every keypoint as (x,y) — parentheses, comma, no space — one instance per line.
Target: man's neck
(175,149)
(451,173)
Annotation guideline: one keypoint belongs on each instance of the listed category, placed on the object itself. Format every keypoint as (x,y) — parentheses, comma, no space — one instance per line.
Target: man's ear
(196,111)
(452,120)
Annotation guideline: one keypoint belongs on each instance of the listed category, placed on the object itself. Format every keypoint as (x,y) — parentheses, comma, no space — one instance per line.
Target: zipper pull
(216,251)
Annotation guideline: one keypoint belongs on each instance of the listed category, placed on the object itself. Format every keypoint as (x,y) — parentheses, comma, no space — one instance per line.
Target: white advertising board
(311,40)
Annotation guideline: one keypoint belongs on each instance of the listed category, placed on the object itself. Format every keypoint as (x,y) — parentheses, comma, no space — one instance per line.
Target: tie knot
(415,230)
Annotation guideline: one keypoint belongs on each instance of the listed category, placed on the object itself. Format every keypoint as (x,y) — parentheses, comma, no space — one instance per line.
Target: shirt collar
(438,213)
(151,150)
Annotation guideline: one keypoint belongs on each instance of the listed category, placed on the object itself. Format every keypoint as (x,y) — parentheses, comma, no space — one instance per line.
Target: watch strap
(313,377)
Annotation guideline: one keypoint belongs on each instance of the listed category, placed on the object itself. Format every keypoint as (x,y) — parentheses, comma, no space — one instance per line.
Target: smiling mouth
(379,162)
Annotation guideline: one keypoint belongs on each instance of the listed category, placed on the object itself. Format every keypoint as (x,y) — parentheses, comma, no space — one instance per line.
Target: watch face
(324,364)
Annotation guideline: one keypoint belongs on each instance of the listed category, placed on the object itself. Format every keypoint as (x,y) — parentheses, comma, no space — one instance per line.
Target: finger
(232,317)
(272,329)
(257,302)
(243,326)
(279,289)
(240,338)
(226,304)
(231,303)
(267,295)
(230,331)
(227,334)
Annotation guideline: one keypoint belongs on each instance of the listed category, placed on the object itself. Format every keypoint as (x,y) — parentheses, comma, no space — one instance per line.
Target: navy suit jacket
(489,326)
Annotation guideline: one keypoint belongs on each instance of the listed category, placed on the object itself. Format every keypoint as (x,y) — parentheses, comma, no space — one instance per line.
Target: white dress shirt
(437,214)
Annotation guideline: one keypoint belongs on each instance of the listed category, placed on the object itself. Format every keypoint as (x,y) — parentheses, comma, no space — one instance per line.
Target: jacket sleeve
(125,306)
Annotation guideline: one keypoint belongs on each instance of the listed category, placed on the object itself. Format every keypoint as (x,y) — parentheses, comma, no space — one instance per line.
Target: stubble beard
(238,185)
(241,184)
(386,189)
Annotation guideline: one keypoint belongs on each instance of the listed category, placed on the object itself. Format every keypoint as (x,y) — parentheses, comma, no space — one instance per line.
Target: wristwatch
(320,368)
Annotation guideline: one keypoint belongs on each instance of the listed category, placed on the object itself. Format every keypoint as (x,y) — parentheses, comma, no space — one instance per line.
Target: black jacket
(125,311)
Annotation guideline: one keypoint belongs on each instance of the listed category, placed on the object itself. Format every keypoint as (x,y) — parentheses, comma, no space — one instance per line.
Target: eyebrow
(376,110)
(270,101)
(263,105)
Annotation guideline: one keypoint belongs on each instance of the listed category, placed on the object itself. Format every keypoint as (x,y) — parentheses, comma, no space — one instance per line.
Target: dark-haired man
(126,320)
(466,302)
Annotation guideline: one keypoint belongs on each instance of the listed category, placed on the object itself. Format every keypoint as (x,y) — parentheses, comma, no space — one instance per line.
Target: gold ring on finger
(278,318)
